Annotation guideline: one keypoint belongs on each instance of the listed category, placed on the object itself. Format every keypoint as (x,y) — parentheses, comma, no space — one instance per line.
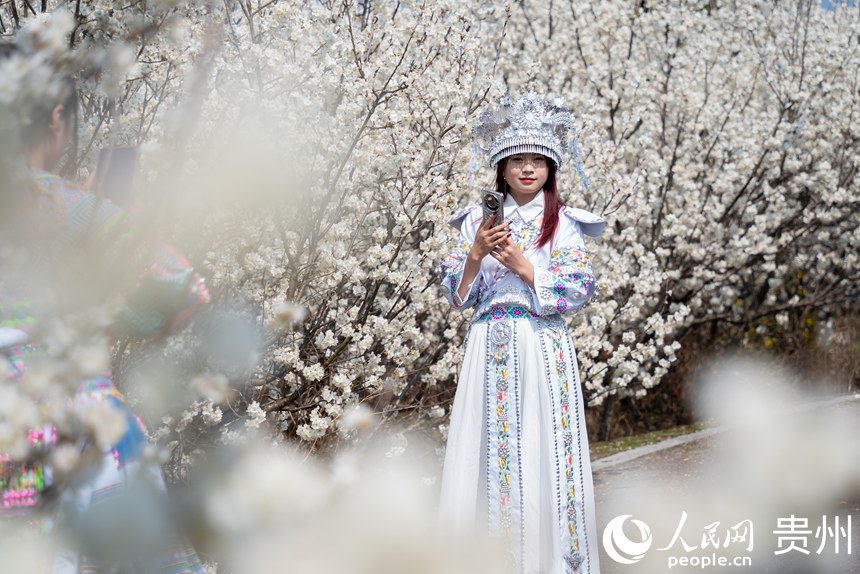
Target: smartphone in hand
(492,203)
(115,174)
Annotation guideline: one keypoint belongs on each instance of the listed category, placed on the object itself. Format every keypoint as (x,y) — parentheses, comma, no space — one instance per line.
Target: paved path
(727,475)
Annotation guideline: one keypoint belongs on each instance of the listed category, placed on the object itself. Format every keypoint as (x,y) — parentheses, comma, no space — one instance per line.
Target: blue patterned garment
(168,293)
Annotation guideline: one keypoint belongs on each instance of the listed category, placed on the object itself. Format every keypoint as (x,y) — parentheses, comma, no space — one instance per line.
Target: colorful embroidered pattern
(20,485)
(451,270)
(506,312)
(503,435)
(568,284)
(81,212)
(168,294)
(98,390)
(570,262)
(525,233)
(567,438)
(22,482)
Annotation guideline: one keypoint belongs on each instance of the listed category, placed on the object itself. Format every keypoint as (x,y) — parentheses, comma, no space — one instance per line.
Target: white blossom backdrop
(306,154)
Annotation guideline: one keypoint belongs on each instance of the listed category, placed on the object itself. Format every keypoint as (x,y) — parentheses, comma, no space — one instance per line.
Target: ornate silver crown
(529,125)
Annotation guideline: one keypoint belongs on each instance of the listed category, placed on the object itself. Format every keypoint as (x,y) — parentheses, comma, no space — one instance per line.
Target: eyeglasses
(519,161)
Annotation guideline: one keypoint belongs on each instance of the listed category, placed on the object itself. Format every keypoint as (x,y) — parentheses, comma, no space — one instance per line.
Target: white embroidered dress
(517,463)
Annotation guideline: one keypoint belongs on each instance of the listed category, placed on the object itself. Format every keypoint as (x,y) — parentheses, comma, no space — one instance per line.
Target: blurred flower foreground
(778,454)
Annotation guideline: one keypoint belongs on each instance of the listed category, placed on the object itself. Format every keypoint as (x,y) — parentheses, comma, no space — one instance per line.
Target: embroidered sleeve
(451,273)
(568,284)
(169,292)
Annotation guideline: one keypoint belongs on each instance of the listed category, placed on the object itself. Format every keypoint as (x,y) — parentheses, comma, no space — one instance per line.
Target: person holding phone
(516,461)
(115,174)
(63,221)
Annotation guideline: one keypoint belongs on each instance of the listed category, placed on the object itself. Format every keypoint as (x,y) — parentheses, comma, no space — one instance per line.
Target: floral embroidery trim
(525,233)
(451,270)
(506,312)
(573,562)
(569,257)
(568,283)
(21,483)
(500,357)
(567,439)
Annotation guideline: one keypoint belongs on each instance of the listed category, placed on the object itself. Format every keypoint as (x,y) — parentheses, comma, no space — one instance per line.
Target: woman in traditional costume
(516,463)
(61,219)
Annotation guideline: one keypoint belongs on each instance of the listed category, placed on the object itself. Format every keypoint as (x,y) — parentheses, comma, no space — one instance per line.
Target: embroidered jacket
(168,292)
(563,278)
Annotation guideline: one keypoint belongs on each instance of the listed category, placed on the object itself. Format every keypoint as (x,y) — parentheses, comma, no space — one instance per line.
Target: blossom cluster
(308,154)
(720,150)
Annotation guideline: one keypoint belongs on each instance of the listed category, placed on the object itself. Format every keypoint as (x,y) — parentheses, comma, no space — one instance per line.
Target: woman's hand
(90,181)
(488,238)
(509,254)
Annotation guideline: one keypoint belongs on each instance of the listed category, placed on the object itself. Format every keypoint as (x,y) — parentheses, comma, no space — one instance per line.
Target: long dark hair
(33,132)
(552,204)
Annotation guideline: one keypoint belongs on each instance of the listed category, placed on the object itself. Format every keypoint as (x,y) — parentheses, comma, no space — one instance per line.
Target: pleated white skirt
(517,463)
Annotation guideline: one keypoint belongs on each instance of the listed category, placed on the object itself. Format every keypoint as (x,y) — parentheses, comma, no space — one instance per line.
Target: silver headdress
(529,125)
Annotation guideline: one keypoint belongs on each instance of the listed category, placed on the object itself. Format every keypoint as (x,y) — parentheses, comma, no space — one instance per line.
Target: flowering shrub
(704,138)
(307,154)
(310,152)
(720,147)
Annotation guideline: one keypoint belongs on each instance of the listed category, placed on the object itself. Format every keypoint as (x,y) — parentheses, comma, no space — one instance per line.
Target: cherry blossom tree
(722,145)
(307,154)
(310,152)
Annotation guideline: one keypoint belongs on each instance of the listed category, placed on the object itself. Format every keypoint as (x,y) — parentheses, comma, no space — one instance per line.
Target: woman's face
(526,173)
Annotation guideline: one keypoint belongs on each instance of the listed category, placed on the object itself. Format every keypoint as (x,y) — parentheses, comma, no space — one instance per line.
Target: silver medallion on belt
(500,332)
